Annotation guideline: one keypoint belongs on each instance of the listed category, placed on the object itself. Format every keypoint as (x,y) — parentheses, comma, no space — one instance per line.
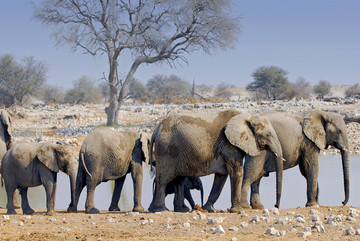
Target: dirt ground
(195,225)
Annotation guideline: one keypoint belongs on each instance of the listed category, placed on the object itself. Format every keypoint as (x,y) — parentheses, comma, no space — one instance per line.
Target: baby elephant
(109,155)
(33,164)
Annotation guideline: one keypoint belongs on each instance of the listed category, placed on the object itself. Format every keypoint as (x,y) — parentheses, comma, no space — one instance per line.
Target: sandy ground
(195,225)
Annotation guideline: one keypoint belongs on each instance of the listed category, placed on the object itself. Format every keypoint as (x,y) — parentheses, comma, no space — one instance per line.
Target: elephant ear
(47,155)
(145,145)
(6,122)
(313,127)
(238,132)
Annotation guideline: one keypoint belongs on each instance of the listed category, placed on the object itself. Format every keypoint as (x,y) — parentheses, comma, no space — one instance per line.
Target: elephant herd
(182,148)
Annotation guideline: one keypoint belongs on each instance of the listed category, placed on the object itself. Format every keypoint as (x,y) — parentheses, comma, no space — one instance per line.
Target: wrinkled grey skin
(242,137)
(109,155)
(189,184)
(5,133)
(301,139)
(32,164)
(184,146)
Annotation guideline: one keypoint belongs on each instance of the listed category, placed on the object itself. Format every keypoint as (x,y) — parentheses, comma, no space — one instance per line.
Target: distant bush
(83,91)
(322,89)
(353,91)
(300,89)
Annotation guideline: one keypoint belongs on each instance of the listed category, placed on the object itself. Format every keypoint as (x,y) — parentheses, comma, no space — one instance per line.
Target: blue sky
(318,40)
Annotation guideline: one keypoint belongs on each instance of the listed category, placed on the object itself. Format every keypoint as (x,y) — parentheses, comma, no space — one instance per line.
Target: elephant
(190,183)
(301,138)
(27,165)
(184,146)
(109,155)
(6,130)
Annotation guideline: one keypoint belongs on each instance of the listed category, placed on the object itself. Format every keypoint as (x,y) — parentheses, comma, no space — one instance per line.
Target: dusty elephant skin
(31,164)
(184,147)
(301,139)
(109,155)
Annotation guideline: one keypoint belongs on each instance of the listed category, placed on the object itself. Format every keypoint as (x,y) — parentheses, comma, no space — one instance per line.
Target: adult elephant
(32,164)
(184,146)
(109,155)
(301,139)
(190,183)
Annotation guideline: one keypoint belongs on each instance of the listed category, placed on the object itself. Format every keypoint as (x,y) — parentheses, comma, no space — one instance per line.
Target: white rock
(350,231)
(319,227)
(266,212)
(234,239)
(353,212)
(255,219)
(65,229)
(202,216)
(20,224)
(272,231)
(244,224)
(304,234)
(233,228)
(315,218)
(313,212)
(111,220)
(167,226)
(357,231)
(132,214)
(219,229)
(6,217)
(216,220)
(282,233)
(52,219)
(186,225)
(281,221)
(351,219)
(300,220)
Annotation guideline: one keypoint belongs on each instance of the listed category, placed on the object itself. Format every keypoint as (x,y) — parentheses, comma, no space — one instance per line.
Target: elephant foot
(257,206)
(11,211)
(312,204)
(28,211)
(182,209)
(138,209)
(209,208)
(235,209)
(153,209)
(245,205)
(93,211)
(50,212)
(114,209)
(72,210)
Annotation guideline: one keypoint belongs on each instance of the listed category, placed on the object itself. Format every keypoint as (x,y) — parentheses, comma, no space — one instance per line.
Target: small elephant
(109,155)
(190,183)
(185,145)
(301,139)
(33,164)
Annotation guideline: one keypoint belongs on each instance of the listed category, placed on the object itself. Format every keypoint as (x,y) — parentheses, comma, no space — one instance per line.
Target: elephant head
(59,157)
(7,128)
(324,129)
(251,134)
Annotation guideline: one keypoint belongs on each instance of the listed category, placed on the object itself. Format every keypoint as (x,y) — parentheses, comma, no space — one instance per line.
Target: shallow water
(293,192)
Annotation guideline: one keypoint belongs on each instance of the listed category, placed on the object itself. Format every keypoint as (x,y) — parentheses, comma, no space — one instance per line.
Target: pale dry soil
(169,225)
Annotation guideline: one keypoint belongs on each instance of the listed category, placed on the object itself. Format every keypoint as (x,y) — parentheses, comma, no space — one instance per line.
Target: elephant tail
(83,163)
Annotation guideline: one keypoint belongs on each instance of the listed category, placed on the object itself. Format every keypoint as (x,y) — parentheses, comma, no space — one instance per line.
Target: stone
(132,214)
(271,231)
(6,217)
(313,212)
(244,224)
(186,225)
(350,231)
(282,233)
(167,226)
(319,227)
(300,220)
(233,228)
(216,220)
(255,219)
(219,230)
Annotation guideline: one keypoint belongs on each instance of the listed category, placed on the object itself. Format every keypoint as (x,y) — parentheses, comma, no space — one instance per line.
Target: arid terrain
(72,123)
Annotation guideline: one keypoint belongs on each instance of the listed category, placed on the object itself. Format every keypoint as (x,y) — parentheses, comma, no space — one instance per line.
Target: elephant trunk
(72,172)
(275,148)
(346,163)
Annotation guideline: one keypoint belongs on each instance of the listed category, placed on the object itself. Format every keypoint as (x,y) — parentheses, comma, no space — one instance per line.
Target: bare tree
(152,31)
(19,79)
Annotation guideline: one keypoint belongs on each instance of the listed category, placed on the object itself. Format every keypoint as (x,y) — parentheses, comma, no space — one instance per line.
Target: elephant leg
(50,189)
(80,184)
(90,202)
(10,197)
(310,170)
(187,195)
(179,205)
(137,177)
(218,184)
(236,171)
(25,202)
(158,202)
(255,195)
(119,183)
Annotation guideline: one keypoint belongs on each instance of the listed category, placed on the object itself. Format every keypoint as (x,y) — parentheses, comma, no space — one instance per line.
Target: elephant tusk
(284,160)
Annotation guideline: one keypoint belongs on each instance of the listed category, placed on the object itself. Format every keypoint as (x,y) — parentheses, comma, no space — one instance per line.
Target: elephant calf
(33,164)
(109,155)
(190,183)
